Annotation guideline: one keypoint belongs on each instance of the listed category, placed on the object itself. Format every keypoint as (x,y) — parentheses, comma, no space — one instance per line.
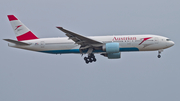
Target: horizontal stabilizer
(16,42)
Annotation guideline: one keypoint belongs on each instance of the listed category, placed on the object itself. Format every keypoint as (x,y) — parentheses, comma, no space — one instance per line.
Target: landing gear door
(156,40)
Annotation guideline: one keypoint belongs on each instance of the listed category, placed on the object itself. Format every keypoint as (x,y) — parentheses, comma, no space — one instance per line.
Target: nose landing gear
(159,53)
(159,56)
(91,58)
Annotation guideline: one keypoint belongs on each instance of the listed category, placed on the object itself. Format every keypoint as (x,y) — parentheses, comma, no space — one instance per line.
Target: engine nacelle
(111,47)
(112,55)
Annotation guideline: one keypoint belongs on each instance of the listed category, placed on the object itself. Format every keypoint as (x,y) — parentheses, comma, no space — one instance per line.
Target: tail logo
(144,39)
(18,27)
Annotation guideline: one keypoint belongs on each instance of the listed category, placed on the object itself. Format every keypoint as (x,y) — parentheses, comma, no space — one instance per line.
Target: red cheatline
(144,39)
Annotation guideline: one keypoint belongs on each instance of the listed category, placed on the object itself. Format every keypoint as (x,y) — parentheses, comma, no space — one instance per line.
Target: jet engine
(112,50)
(111,47)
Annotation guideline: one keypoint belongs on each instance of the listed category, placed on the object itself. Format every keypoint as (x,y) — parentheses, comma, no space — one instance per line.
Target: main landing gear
(159,53)
(91,58)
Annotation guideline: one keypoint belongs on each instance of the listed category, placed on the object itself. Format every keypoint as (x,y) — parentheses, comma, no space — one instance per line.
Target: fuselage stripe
(95,51)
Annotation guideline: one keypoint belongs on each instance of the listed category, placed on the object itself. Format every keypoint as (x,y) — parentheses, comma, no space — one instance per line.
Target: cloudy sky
(137,76)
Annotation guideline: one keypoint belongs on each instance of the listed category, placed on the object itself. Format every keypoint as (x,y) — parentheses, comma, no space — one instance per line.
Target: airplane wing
(81,40)
(16,42)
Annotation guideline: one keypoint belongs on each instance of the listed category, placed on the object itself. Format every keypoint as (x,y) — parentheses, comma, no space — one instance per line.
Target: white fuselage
(108,46)
(126,43)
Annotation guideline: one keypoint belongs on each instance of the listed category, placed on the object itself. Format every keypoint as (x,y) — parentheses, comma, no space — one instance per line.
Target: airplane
(107,46)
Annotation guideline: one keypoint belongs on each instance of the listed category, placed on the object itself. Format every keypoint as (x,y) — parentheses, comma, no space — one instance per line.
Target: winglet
(59,27)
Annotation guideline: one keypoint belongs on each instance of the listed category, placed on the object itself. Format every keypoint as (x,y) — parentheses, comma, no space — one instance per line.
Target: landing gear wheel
(159,53)
(91,58)
(87,61)
(94,59)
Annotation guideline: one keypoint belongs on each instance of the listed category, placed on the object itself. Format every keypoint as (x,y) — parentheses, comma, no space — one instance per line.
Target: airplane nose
(170,43)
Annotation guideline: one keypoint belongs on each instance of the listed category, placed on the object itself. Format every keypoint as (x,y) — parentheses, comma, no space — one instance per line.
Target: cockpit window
(168,40)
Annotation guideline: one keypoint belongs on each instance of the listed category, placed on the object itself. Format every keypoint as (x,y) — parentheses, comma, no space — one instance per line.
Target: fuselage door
(42,44)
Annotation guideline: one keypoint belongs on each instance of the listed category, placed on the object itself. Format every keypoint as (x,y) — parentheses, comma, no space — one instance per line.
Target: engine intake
(112,50)
(111,47)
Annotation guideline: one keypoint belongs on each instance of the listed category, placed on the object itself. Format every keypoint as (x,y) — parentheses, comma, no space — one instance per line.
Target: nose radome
(169,43)
(172,43)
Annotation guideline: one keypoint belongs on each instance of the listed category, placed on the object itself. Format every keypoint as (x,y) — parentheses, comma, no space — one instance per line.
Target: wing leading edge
(79,39)
(86,43)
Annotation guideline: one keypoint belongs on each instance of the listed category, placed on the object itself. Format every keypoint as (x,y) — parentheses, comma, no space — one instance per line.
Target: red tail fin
(21,31)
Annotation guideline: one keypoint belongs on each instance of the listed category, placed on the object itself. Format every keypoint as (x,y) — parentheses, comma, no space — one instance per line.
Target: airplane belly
(150,47)
(60,48)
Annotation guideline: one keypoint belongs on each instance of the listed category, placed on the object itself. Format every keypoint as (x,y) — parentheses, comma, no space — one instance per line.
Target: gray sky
(137,76)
